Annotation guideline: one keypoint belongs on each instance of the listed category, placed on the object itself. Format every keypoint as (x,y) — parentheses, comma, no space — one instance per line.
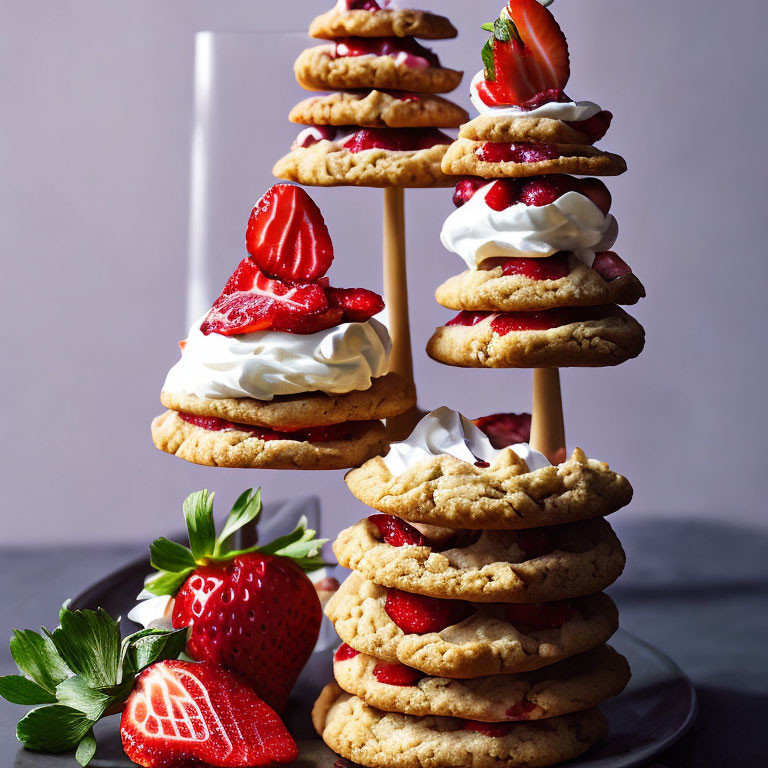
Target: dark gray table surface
(698,591)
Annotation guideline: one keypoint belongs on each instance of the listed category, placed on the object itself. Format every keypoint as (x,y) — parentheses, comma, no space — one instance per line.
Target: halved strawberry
(545,42)
(251,302)
(287,236)
(504,429)
(419,614)
(357,304)
(181,713)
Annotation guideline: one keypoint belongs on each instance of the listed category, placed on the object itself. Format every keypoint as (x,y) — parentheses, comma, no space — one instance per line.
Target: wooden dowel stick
(396,299)
(547,425)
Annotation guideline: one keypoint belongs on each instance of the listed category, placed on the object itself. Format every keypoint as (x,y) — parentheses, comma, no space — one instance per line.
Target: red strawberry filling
(406,50)
(345,652)
(396,674)
(521,711)
(537,616)
(465,190)
(350,430)
(543,320)
(362,5)
(397,533)
(419,615)
(488,729)
(595,127)
(609,266)
(553,267)
(504,429)
(395,139)
(526,60)
(312,135)
(519,152)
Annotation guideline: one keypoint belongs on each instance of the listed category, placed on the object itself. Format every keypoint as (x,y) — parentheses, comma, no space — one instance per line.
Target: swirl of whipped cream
(444,431)
(573,222)
(572,111)
(265,364)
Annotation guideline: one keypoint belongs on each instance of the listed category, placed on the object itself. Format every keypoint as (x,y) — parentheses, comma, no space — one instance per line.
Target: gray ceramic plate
(655,710)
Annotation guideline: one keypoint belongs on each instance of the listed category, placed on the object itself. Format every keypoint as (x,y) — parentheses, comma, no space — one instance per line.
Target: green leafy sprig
(175,562)
(77,674)
(504,30)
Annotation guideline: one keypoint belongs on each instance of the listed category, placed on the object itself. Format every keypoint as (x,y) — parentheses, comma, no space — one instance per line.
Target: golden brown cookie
(379,109)
(318,70)
(507,129)
(326,164)
(241,449)
(376,739)
(574,684)
(387,396)
(546,564)
(386,22)
(490,289)
(461,159)
(446,491)
(485,643)
(610,339)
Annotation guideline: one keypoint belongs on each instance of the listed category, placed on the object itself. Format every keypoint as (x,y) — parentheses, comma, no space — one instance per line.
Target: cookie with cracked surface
(507,129)
(381,22)
(326,164)
(234,445)
(446,491)
(565,338)
(574,684)
(377,739)
(486,642)
(535,566)
(388,396)
(490,289)
(379,109)
(318,69)
(462,159)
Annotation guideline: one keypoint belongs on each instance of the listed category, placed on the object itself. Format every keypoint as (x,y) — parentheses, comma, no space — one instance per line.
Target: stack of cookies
(474,624)
(542,288)
(285,371)
(380,125)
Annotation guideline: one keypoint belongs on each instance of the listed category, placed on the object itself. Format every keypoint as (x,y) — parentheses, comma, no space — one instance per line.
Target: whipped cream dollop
(572,111)
(265,364)
(477,232)
(444,431)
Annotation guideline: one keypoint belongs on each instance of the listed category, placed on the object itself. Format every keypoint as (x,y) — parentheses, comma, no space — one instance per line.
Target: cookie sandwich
(543,287)
(285,371)
(382,122)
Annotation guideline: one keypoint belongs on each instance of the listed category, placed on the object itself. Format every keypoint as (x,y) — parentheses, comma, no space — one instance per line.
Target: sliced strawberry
(397,533)
(418,614)
(287,236)
(538,616)
(465,190)
(251,302)
(504,429)
(597,192)
(357,304)
(610,266)
(181,713)
(345,652)
(544,190)
(396,674)
(503,194)
(545,42)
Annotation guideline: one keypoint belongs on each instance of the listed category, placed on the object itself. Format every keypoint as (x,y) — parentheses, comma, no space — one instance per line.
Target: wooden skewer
(547,425)
(396,299)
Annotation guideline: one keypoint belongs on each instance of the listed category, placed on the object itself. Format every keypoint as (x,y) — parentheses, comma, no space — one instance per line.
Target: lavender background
(94,157)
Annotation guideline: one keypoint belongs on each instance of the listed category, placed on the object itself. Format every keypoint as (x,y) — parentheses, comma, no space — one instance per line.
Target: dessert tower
(380,126)
(474,624)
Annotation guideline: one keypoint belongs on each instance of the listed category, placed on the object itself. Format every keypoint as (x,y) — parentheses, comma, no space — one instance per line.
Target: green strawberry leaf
(36,656)
(488,61)
(89,643)
(153,645)
(166,582)
(54,728)
(245,510)
(502,30)
(22,690)
(86,749)
(198,512)
(76,693)
(166,555)
(488,26)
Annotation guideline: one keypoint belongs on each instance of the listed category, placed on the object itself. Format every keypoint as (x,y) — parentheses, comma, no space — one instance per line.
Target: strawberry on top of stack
(542,285)
(285,371)
(380,125)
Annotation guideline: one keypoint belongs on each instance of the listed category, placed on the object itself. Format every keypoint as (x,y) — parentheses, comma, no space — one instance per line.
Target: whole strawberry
(252,610)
